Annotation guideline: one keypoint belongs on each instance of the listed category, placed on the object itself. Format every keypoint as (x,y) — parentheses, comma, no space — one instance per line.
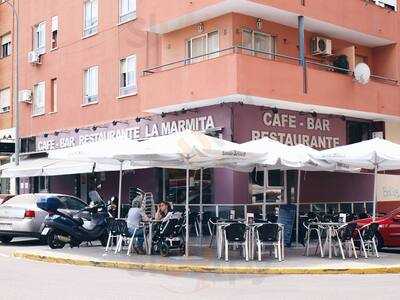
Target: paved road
(21,279)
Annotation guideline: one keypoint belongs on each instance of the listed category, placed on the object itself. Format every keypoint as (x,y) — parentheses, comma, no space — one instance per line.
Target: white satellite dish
(362,73)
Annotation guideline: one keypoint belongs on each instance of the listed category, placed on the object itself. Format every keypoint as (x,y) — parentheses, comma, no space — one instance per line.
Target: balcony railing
(267,55)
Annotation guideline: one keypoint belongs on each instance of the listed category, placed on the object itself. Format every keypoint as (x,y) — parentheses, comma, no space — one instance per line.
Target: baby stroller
(168,236)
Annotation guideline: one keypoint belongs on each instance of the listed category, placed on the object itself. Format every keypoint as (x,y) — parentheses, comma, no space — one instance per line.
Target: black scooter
(61,228)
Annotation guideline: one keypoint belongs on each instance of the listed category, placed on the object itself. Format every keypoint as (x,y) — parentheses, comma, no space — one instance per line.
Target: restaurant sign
(121,130)
(291,127)
(388,187)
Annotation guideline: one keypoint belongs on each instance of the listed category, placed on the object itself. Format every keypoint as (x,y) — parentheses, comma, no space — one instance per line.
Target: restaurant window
(54,95)
(175,186)
(91,19)
(275,186)
(128,83)
(39,38)
(54,32)
(358,131)
(39,99)
(198,47)
(5,45)
(91,85)
(5,100)
(127,10)
(259,42)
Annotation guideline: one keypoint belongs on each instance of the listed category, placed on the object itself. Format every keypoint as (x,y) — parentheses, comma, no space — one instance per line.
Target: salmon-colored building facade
(239,69)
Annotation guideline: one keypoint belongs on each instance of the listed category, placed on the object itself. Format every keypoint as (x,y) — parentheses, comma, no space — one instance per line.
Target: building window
(39,99)
(39,38)
(127,10)
(5,100)
(54,95)
(91,85)
(54,32)
(128,76)
(5,45)
(198,47)
(91,19)
(262,44)
(275,186)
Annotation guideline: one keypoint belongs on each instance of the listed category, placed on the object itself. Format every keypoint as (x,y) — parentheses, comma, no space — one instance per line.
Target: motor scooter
(61,228)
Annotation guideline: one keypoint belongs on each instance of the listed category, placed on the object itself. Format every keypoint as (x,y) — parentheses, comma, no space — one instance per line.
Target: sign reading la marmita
(200,123)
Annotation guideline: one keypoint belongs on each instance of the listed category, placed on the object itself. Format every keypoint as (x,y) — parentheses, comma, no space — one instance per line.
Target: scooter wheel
(164,250)
(52,240)
(104,239)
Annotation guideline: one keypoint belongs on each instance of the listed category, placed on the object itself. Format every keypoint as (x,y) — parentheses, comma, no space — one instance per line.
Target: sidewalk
(203,260)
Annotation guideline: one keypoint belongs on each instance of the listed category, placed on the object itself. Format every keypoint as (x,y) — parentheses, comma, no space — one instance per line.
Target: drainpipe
(302,52)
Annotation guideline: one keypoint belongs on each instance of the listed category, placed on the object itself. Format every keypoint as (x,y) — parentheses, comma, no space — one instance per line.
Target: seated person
(135,216)
(164,211)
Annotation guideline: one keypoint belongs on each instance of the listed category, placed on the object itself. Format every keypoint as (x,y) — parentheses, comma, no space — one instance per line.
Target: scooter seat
(78,220)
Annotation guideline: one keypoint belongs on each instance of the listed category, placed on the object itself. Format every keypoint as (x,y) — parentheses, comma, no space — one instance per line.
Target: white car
(20,216)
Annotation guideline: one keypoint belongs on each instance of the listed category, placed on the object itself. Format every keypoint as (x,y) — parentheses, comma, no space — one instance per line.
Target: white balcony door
(258,41)
(202,45)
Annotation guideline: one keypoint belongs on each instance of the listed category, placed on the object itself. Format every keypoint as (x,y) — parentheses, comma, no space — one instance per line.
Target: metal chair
(113,233)
(309,230)
(367,236)
(123,234)
(212,228)
(268,235)
(344,238)
(236,234)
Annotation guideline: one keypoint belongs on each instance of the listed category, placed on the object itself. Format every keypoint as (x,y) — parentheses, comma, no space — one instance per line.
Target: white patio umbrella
(377,154)
(101,153)
(187,149)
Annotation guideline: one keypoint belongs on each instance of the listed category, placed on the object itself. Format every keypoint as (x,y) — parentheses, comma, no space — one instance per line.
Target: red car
(389,229)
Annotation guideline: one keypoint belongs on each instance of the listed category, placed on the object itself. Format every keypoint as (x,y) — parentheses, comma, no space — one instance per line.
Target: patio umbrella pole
(264,208)
(201,208)
(298,207)
(375,193)
(120,190)
(187,213)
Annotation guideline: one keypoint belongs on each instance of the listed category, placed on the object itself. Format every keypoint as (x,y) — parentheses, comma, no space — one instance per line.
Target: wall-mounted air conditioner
(391,4)
(321,46)
(25,96)
(34,57)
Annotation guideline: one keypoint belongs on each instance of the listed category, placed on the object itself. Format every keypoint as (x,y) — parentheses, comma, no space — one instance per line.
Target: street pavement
(20,279)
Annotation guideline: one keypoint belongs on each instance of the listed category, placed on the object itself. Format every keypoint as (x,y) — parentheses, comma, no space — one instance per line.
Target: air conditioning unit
(25,96)
(34,57)
(321,46)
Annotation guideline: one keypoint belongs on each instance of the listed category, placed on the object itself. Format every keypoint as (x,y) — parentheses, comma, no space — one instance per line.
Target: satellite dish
(362,73)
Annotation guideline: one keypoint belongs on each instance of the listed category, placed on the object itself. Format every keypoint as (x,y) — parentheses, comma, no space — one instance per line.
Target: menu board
(286,217)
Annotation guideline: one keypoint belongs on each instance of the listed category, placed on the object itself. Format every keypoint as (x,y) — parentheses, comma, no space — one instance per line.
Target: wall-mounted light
(314,114)
(200,27)
(57,133)
(138,119)
(94,128)
(259,24)
(343,118)
(115,123)
(163,115)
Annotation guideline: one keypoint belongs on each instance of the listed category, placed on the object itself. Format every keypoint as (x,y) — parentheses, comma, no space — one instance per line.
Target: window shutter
(54,23)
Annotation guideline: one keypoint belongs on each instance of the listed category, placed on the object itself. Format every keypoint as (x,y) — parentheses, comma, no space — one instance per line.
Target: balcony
(359,21)
(239,74)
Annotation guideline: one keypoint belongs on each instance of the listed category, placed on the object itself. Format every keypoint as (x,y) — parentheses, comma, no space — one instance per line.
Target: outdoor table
(252,239)
(148,237)
(328,227)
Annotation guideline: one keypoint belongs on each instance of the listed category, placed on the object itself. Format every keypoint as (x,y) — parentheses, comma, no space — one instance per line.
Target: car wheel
(6,239)
(53,241)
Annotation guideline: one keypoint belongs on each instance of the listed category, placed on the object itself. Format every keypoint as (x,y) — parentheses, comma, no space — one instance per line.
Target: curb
(207,269)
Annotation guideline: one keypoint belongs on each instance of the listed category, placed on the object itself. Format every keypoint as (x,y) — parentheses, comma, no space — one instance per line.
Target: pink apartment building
(237,69)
